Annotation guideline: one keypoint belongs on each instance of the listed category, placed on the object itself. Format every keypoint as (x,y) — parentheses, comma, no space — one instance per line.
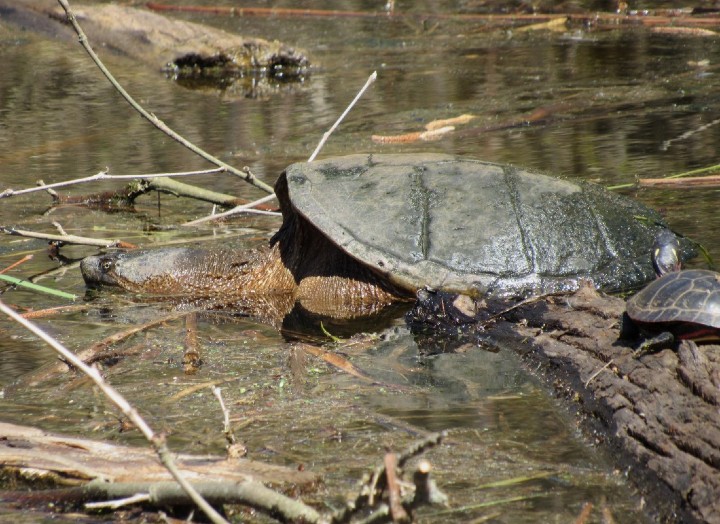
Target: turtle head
(666,253)
(99,270)
(158,271)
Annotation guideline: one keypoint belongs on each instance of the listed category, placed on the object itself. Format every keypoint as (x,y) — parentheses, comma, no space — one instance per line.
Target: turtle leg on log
(660,411)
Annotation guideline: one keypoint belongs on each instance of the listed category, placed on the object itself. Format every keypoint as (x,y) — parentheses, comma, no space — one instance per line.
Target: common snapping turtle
(362,231)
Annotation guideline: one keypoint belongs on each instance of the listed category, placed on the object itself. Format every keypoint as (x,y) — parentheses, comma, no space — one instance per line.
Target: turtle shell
(691,296)
(474,227)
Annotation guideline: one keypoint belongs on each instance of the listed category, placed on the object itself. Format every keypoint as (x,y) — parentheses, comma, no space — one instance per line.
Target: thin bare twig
(397,511)
(596,373)
(234,448)
(149,116)
(127,409)
(238,209)
(104,175)
(325,137)
(119,503)
(17,263)
(687,134)
(60,229)
(226,414)
(68,239)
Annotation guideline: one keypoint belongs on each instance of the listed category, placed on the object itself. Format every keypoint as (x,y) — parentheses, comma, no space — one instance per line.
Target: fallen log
(188,50)
(660,411)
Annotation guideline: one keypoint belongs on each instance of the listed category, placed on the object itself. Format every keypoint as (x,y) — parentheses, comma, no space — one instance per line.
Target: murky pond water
(617,105)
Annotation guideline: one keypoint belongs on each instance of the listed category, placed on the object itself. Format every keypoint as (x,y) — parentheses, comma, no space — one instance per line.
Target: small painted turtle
(684,303)
(679,304)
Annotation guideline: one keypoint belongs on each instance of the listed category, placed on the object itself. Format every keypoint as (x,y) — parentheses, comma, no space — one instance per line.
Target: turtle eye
(106,265)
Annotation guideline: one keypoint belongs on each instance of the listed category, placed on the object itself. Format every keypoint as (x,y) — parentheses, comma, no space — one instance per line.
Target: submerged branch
(90,354)
(177,188)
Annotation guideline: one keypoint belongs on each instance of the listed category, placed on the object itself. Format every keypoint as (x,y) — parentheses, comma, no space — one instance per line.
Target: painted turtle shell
(452,223)
(685,303)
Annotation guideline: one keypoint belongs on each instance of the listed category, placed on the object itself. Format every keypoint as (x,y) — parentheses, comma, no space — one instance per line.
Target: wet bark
(660,411)
(61,460)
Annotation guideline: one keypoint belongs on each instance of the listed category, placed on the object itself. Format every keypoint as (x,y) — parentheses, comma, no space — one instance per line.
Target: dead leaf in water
(426,136)
(458,120)
(434,130)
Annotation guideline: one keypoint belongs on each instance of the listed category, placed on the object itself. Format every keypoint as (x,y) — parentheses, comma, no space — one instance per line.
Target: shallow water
(618,105)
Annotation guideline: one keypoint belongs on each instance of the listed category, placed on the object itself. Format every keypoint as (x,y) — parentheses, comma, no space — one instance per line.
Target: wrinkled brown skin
(300,265)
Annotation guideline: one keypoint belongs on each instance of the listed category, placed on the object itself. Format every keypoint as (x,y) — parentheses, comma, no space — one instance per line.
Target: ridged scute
(692,295)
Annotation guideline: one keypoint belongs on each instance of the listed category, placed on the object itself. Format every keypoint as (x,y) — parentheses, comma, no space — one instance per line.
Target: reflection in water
(611,101)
